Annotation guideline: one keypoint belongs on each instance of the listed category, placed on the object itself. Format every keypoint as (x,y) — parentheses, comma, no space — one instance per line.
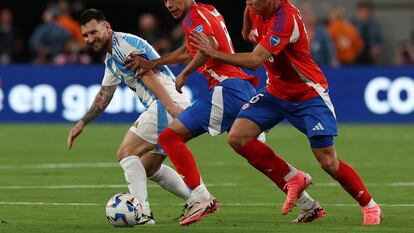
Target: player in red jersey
(297,91)
(230,88)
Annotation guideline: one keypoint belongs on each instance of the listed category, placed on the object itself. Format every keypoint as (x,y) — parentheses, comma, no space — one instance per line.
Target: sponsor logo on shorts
(318,127)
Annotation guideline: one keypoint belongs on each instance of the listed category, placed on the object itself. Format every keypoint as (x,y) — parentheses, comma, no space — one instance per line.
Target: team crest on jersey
(199,28)
(274,40)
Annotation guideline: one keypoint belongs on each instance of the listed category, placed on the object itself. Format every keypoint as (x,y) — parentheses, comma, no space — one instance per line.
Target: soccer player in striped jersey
(139,153)
(229,89)
(297,91)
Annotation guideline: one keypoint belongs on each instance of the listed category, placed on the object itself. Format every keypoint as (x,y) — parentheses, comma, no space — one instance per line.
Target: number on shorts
(256,98)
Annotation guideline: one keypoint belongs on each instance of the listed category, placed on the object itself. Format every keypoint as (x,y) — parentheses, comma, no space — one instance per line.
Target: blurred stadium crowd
(335,40)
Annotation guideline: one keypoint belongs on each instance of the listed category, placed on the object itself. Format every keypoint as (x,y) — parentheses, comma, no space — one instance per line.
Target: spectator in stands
(370,32)
(75,48)
(348,42)
(320,42)
(66,21)
(11,44)
(149,30)
(405,52)
(48,39)
(73,54)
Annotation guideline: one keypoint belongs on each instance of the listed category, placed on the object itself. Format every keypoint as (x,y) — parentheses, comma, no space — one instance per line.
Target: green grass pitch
(46,188)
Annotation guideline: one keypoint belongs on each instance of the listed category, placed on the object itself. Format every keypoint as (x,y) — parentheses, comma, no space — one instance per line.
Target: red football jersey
(292,73)
(205,18)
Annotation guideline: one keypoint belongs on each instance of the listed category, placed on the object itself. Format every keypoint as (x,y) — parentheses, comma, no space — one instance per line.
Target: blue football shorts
(314,117)
(216,112)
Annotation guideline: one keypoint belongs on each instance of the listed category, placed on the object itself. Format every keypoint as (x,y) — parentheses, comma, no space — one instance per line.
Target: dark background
(123,14)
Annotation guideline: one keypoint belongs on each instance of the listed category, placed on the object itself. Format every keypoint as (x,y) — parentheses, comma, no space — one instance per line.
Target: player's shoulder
(130,38)
(129,43)
(208,7)
(283,20)
(127,39)
(197,11)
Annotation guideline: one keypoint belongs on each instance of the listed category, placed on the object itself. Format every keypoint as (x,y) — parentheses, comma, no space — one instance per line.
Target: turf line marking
(223,204)
(48,203)
(102,186)
(79,165)
(59,165)
(95,186)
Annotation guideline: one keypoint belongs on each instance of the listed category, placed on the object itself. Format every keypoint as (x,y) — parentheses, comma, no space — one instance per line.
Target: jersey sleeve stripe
(280,20)
(188,21)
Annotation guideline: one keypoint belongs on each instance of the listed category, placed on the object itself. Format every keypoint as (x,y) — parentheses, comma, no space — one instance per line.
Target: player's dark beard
(104,46)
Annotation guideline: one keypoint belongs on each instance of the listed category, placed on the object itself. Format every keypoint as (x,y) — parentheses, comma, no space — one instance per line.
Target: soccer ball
(123,210)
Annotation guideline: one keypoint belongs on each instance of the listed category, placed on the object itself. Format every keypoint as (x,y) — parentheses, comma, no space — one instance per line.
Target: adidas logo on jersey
(318,127)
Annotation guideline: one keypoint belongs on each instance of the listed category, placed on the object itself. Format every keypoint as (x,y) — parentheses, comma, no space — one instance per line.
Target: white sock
(169,179)
(370,204)
(292,172)
(305,201)
(136,178)
(200,193)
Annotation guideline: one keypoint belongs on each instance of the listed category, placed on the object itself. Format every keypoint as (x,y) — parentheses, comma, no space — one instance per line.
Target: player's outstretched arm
(102,100)
(198,60)
(252,60)
(179,55)
(155,86)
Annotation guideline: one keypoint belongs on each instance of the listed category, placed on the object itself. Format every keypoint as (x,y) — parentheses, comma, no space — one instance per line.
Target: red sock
(262,157)
(182,158)
(352,183)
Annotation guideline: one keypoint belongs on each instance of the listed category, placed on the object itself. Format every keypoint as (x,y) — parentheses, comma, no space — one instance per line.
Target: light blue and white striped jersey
(123,45)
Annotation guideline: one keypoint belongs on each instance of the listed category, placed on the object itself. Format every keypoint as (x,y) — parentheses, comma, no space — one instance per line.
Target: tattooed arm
(102,100)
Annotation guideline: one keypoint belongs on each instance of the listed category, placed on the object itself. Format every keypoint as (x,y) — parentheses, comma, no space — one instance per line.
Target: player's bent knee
(121,154)
(329,164)
(125,151)
(330,168)
(236,140)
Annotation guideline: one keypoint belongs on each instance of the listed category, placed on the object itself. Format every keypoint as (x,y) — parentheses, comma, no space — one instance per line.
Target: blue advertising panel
(372,94)
(64,93)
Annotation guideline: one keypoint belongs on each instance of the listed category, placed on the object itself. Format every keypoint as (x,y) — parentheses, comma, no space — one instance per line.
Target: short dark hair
(91,14)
